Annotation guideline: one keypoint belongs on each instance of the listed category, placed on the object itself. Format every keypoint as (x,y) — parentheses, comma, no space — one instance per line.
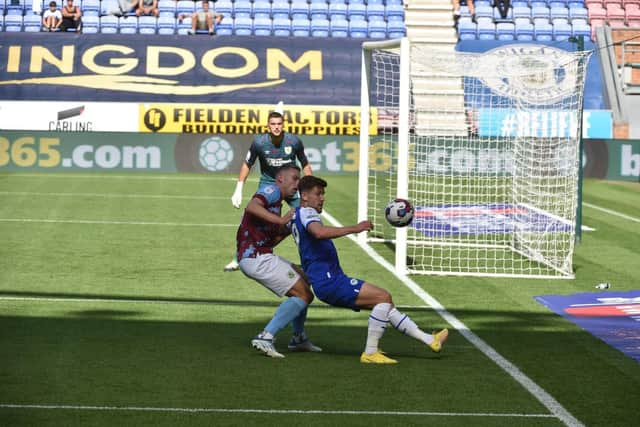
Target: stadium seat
(540,13)
(632,12)
(225,27)
(356,11)
(562,31)
(615,12)
(557,4)
(522,13)
(32,23)
(280,9)
(109,24)
(559,15)
(166,8)
(107,7)
(185,7)
(358,28)
(497,17)
(242,25)
(578,13)
(505,31)
(15,9)
(467,29)
(319,10)
(147,25)
(224,7)
(596,11)
(13,23)
(300,27)
(166,25)
(375,12)
(543,32)
(396,29)
(575,3)
(128,25)
(377,29)
(394,12)
(337,10)
(375,2)
(581,30)
(524,31)
(89,8)
(486,30)
(90,24)
(484,12)
(517,3)
(339,27)
(261,25)
(183,26)
(319,27)
(299,9)
(261,9)
(393,2)
(281,26)
(241,9)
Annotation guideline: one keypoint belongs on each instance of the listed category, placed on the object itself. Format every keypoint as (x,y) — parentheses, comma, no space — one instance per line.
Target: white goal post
(485,146)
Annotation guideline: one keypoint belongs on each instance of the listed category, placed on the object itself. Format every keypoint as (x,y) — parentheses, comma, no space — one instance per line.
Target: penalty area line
(534,389)
(611,212)
(270,411)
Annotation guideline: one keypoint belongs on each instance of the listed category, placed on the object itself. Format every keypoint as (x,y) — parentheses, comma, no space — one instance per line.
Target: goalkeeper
(273,149)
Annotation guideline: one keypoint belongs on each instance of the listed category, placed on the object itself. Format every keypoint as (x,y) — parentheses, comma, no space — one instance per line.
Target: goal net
(485,146)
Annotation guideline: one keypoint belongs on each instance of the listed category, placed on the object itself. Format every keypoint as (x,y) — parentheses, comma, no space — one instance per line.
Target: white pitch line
(113,195)
(88,221)
(611,212)
(271,411)
(538,392)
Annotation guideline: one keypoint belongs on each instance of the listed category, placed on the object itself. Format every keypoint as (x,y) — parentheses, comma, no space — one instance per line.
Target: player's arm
(302,158)
(256,207)
(236,198)
(321,231)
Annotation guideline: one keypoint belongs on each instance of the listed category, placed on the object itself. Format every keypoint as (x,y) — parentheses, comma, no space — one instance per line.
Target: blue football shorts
(340,291)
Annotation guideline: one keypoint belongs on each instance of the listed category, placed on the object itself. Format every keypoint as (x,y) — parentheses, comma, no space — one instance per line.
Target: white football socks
(404,324)
(378,320)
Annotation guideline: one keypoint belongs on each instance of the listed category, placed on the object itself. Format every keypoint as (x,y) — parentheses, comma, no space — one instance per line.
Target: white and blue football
(399,212)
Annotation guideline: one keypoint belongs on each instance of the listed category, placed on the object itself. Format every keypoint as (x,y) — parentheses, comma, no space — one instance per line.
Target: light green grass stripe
(89,221)
(113,195)
(611,212)
(270,411)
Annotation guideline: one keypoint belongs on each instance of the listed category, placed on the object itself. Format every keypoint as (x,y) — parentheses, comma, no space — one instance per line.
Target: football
(399,212)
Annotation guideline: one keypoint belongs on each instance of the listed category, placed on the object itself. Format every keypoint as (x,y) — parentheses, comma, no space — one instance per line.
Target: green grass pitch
(114,310)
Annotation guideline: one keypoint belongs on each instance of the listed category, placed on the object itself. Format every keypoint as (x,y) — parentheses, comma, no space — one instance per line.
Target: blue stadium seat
(375,2)
(300,27)
(242,25)
(396,29)
(261,9)
(498,18)
(29,8)
(299,9)
(14,9)
(166,8)
(225,27)
(319,10)
(559,14)
(241,8)
(281,26)
(581,30)
(166,25)
(183,25)
(556,4)
(486,30)
(484,12)
(319,27)
(280,9)
(505,31)
(185,7)
(89,8)
(543,32)
(109,24)
(32,23)
(356,11)
(540,12)
(358,28)
(261,25)
(467,29)
(393,2)
(337,10)
(377,29)
(578,13)
(524,31)
(224,7)
(339,27)
(90,24)
(394,12)
(523,13)
(147,25)
(108,7)
(128,25)
(562,31)
(13,23)
(375,12)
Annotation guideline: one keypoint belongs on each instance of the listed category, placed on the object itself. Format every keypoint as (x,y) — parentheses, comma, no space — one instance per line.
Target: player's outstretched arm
(321,231)
(256,208)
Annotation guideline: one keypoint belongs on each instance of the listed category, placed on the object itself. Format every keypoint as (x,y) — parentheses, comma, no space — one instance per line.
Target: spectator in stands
(52,18)
(124,6)
(204,19)
(456,9)
(503,7)
(71,17)
(148,7)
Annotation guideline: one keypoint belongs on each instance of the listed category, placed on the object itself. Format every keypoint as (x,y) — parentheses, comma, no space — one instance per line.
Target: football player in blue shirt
(273,150)
(320,263)
(261,229)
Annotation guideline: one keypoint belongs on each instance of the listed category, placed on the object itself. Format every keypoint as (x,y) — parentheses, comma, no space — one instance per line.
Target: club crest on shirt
(287,150)
(354,282)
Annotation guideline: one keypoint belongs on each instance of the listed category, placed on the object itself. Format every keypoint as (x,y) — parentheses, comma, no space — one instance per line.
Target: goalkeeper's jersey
(318,257)
(272,157)
(256,236)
